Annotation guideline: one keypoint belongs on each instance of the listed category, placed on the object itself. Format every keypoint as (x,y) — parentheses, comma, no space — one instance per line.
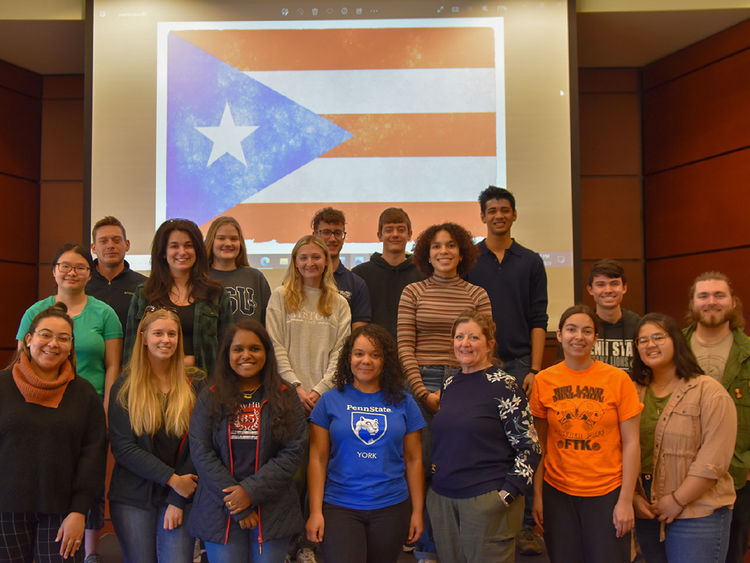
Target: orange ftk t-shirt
(584,410)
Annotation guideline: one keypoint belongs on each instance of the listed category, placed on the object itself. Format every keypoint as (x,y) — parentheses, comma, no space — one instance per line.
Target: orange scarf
(40,391)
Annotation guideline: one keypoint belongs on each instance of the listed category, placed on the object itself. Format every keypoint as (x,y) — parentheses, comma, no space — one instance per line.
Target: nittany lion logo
(369,427)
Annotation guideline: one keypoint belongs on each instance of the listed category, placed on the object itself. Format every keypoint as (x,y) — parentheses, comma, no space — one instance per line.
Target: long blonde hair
(293,280)
(241,259)
(148,407)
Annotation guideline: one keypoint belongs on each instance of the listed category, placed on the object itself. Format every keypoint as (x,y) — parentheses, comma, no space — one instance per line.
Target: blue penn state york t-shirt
(366,468)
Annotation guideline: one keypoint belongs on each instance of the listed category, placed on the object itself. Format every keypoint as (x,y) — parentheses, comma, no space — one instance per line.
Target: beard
(711,318)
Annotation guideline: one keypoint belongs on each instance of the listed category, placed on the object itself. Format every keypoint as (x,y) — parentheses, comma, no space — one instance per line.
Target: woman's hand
(236,499)
(183,485)
(643,508)
(623,517)
(537,511)
(172,517)
(667,509)
(70,534)
(416,527)
(315,527)
(249,522)
(432,401)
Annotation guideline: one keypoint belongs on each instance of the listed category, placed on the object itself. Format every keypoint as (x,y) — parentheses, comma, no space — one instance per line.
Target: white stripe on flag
(419,90)
(383,179)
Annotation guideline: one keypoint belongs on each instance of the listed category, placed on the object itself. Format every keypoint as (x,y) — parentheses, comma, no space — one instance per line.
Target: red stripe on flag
(343,49)
(288,222)
(416,134)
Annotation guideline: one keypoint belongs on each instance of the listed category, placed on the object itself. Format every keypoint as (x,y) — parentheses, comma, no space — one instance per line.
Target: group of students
(208,420)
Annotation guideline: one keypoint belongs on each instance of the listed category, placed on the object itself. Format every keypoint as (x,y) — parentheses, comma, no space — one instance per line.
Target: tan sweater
(426,313)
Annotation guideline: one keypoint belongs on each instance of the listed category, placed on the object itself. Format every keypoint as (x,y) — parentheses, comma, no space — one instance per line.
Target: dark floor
(110,551)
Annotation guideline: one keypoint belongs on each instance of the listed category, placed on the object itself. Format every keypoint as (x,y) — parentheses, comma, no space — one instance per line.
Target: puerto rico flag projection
(269,121)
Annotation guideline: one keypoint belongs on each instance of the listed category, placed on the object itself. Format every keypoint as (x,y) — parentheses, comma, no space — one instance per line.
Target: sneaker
(529,543)
(408,547)
(93,558)
(306,555)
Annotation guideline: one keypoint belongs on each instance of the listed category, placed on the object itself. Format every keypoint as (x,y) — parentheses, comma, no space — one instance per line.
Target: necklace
(248,395)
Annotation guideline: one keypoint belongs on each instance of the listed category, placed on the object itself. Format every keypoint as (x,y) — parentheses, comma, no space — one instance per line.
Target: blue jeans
(519,368)
(143,538)
(432,377)
(242,545)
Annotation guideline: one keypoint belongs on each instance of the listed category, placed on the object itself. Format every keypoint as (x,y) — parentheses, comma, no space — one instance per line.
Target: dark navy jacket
(271,488)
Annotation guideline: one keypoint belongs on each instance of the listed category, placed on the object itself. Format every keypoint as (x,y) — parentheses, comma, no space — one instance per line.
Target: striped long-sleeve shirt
(426,313)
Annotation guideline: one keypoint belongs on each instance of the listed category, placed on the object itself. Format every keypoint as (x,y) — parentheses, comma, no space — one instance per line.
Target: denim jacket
(695,435)
(737,381)
(211,319)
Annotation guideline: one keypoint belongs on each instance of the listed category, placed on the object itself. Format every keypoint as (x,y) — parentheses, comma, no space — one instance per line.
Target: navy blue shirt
(354,290)
(517,288)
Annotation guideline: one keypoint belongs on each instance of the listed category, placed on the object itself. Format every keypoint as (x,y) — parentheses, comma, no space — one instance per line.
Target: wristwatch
(506,497)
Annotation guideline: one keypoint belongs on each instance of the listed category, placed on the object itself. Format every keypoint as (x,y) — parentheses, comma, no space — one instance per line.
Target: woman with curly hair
(308,321)
(484,451)
(365,456)
(247,438)
(179,281)
(426,312)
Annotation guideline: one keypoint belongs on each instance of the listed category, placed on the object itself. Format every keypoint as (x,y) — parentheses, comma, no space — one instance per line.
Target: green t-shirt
(94,325)
(652,409)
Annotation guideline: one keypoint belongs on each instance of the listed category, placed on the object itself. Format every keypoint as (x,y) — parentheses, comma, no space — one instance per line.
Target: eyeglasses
(657,338)
(154,308)
(65,268)
(327,233)
(46,336)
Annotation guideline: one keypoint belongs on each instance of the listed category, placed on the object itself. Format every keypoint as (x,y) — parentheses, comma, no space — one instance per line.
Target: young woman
(365,456)
(587,415)
(153,479)
(426,312)
(247,437)
(308,321)
(688,431)
(179,281)
(52,434)
(247,287)
(98,342)
(484,451)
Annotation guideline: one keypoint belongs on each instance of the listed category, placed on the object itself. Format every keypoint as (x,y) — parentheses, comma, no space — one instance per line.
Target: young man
(389,272)
(607,285)
(330,225)
(722,349)
(516,282)
(112,280)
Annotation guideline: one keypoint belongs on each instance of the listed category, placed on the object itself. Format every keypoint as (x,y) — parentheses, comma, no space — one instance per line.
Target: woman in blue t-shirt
(365,456)
(247,439)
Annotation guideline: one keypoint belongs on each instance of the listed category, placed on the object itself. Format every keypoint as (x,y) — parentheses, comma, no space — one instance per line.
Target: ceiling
(605,39)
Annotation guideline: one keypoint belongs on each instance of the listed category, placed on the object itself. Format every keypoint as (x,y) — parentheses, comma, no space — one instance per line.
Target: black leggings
(365,536)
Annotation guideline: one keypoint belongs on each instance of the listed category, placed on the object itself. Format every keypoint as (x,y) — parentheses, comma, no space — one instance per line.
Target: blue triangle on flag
(199,87)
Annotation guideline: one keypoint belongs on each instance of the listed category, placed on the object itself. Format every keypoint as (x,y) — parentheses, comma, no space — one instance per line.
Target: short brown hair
(107,221)
(329,215)
(485,323)
(466,248)
(608,268)
(393,215)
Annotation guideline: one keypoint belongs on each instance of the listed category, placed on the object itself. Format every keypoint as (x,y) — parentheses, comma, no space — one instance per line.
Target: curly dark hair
(160,281)
(466,248)
(684,361)
(226,396)
(391,378)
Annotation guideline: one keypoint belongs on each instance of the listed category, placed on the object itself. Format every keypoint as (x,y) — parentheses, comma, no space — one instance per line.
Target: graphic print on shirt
(577,410)
(242,298)
(616,352)
(368,427)
(245,425)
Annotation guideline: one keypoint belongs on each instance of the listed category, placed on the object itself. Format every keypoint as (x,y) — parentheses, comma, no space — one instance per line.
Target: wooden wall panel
(610,134)
(60,216)
(699,207)
(19,292)
(19,142)
(669,280)
(700,115)
(62,139)
(19,219)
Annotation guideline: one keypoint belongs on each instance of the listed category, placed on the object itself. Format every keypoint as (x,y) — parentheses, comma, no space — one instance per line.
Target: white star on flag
(227,137)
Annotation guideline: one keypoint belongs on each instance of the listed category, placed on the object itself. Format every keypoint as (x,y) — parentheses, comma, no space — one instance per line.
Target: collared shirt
(354,290)
(517,288)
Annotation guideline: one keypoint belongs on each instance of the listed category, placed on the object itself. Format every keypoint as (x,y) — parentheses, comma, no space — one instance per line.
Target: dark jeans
(30,536)
(580,529)
(738,531)
(519,369)
(365,536)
